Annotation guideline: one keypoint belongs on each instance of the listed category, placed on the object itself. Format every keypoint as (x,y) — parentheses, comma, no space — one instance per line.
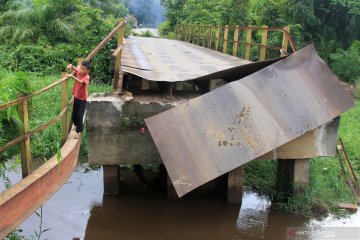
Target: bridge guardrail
(217,38)
(22,104)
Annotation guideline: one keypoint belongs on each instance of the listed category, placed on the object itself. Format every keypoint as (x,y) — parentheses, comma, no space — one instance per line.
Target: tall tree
(30,19)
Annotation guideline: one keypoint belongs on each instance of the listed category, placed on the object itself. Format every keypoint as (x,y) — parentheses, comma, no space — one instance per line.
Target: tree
(236,12)
(27,20)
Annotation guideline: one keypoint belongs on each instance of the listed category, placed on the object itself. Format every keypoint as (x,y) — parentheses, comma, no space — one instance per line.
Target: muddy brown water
(80,210)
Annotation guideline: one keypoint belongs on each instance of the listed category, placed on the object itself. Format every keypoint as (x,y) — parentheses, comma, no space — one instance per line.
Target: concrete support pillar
(301,172)
(235,185)
(292,172)
(166,183)
(111,179)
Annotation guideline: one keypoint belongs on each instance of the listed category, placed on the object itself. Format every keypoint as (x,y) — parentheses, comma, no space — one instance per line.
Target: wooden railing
(22,105)
(218,38)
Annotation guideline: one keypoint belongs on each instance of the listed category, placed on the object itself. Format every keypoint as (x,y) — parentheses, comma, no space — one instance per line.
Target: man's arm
(75,78)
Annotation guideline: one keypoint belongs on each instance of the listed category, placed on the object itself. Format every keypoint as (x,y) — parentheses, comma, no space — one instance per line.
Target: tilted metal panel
(238,122)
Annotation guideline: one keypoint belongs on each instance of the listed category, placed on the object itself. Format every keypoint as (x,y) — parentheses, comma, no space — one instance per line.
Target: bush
(357,90)
(346,64)
(165,31)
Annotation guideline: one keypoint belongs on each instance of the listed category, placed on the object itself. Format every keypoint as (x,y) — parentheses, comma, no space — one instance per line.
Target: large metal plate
(171,60)
(238,122)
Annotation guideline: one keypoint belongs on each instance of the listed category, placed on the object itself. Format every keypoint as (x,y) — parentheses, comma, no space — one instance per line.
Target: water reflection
(79,210)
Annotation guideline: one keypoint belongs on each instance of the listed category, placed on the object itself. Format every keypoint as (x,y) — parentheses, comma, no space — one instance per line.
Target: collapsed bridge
(284,108)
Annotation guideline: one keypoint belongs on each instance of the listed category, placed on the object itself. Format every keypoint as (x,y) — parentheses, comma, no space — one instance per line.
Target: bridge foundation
(292,175)
(112,183)
(235,185)
(117,135)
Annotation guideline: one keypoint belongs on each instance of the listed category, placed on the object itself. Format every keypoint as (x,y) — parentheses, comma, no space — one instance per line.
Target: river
(80,210)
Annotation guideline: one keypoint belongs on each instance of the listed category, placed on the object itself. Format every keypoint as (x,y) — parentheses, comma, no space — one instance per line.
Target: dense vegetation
(333,25)
(38,39)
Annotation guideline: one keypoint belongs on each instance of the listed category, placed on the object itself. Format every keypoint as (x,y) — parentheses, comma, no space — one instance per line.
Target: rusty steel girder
(20,201)
(241,121)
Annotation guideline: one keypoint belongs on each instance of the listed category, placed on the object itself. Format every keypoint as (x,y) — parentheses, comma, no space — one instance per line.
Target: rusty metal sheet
(20,201)
(240,121)
(171,60)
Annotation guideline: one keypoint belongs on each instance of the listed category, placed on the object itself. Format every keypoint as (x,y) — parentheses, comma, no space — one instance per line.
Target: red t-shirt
(80,89)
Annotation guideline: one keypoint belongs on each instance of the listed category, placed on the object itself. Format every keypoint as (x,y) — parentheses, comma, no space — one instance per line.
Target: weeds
(327,187)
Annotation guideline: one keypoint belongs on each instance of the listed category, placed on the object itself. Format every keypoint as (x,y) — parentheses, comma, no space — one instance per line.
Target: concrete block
(235,185)
(114,128)
(111,179)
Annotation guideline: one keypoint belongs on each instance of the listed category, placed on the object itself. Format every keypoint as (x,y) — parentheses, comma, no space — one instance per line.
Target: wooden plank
(30,133)
(25,148)
(192,40)
(117,51)
(106,39)
(226,35)
(21,99)
(236,41)
(64,102)
(248,42)
(210,37)
(118,80)
(217,37)
(203,36)
(198,36)
(285,40)
(264,35)
(348,206)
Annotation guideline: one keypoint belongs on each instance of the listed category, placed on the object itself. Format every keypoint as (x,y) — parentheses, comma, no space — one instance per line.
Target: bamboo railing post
(226,35)
(210,37)
(118,78)
(184,32)
(64,102)
(236,40)
(204,36)
(198,36)
(248,42)
(217,37)
(285,40)
(264,35)
(24,145)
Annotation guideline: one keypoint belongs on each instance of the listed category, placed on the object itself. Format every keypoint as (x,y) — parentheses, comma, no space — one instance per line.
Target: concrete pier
(117,135)
(292,172)
(112,183)
(235,185)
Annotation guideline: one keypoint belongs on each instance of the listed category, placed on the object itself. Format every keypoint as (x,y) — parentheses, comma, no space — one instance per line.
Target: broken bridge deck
(243,120)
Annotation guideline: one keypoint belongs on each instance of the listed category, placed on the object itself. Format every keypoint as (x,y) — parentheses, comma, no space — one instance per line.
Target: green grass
(327,186)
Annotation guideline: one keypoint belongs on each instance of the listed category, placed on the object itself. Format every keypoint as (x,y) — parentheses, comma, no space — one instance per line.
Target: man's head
(85,67)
